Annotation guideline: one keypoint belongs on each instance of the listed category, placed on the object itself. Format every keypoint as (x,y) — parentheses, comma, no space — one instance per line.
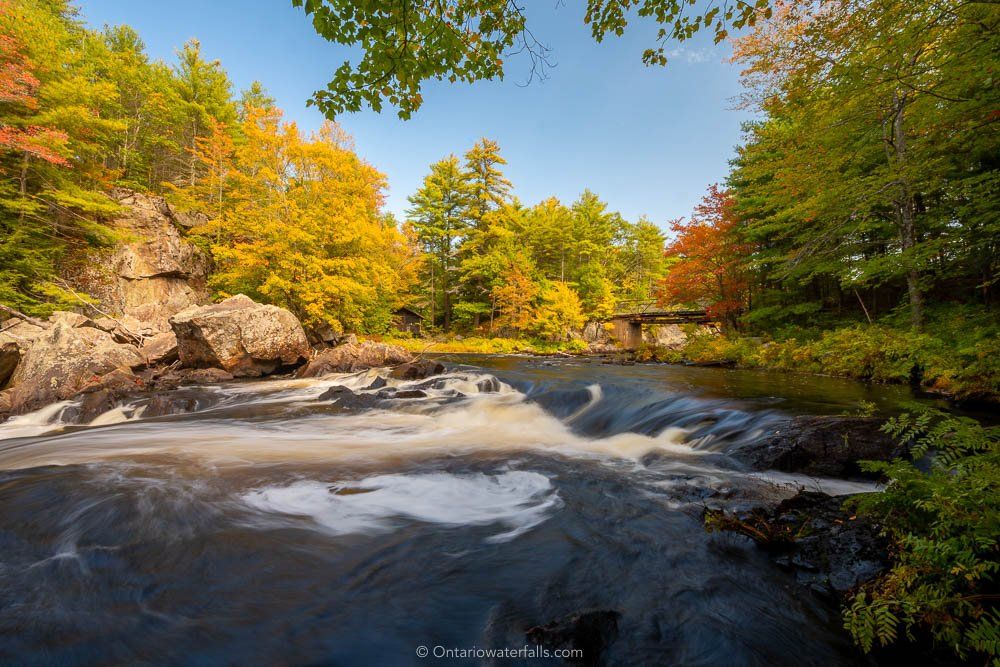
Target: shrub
(944,524)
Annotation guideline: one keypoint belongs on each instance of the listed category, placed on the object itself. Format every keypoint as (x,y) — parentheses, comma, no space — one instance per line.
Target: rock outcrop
(62,361)
(16,337)
(352,357)
(152,274)
(241,336)
(669,336)
(160,349)
(826,446)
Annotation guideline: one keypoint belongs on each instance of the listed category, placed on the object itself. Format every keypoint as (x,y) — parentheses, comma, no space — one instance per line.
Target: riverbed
(268,526)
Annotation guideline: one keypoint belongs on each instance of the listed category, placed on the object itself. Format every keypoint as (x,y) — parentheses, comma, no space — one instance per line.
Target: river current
(269,526)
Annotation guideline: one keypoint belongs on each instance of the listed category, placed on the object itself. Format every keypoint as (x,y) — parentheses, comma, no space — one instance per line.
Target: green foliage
(863,192)
(496,267)
(406,44)
(958,359)
(559,312)
(81,111)
(944,524)
(658,353)
(295,221)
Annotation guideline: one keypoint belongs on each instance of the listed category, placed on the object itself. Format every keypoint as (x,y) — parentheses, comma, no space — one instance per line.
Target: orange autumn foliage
(18,88)
(709,257)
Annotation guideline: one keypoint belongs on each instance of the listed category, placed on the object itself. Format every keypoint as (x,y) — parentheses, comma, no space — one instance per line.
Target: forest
(856,234)
(290,219)
(856,231)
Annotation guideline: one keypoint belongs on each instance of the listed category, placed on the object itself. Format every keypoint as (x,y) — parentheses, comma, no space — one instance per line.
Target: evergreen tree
(438,215)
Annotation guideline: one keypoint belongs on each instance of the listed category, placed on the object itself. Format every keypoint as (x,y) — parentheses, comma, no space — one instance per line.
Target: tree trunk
(905,216)
(433,298)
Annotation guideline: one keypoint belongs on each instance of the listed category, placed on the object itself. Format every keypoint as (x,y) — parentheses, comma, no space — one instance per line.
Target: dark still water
(272,527)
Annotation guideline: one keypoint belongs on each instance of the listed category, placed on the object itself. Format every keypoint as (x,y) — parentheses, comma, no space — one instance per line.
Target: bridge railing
(651,311)
(635,306)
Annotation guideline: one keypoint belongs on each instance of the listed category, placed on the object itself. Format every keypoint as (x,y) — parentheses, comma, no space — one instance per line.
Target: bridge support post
(628,333)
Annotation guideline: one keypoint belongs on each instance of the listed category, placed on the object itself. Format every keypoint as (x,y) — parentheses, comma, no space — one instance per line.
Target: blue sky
(647,140)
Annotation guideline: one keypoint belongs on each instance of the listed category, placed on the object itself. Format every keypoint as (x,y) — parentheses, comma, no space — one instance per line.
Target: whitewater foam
(517,500)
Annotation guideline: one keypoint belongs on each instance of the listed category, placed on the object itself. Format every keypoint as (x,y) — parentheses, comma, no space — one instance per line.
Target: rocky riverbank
(148,325)
(70,355)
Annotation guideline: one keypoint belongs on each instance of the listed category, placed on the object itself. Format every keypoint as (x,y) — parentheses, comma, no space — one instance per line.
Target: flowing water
(268,526)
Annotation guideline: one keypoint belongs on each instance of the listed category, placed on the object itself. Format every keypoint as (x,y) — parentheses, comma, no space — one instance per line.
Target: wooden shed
(407,319)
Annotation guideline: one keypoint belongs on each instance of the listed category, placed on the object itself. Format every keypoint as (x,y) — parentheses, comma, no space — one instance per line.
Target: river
(271,527)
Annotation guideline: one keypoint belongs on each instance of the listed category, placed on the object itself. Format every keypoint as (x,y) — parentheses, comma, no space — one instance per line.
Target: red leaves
(709,270)
(38,142)
(17,84)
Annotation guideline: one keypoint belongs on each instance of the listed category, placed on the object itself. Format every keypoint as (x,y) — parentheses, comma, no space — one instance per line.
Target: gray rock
(152,274)
(160,349)
(828,446)
(70,319)
(835,551)
(353,357)
(346,399)
(63,361)
(16,337)
(406,393)
(241,336)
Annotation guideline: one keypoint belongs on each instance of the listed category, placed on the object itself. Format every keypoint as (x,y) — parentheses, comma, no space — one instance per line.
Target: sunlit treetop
(406,43)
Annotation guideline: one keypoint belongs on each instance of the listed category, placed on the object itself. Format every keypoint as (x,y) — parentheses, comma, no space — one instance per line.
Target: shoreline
(677,357)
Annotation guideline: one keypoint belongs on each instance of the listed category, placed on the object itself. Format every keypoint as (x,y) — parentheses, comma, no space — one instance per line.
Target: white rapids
(516,500)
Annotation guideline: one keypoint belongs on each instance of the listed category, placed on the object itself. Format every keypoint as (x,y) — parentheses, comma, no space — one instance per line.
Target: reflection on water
(274,527)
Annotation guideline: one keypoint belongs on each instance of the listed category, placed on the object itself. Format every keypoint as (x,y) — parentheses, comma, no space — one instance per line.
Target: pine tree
(438,215)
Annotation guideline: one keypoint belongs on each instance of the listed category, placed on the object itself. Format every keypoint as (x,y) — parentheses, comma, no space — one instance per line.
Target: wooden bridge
(629,316)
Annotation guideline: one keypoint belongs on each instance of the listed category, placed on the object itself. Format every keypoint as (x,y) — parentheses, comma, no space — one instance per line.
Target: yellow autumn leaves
(295,220)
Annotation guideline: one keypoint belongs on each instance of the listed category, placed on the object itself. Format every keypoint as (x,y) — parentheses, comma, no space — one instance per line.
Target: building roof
(403,310)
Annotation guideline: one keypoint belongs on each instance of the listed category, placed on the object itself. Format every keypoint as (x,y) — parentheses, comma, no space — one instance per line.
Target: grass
(478,345)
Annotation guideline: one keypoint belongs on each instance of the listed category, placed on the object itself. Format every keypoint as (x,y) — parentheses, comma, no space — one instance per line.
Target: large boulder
(827,446)
(62,361)
(152,274)
(239,335)
(160,348)
(353,357)
(16,337)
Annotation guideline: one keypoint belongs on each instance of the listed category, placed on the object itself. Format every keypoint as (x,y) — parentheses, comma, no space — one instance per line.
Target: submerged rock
(349,400)
(589,632)
(241,336)
(176,402)
(829,549)
(407,393)
(353,357)
(165,379)
(826,446)
(416,370)
(377,383)
(835,550)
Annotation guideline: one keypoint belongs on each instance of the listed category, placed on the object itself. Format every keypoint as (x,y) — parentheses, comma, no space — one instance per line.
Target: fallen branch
(863,307)
(138,338)
(18,314)
(423,352)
